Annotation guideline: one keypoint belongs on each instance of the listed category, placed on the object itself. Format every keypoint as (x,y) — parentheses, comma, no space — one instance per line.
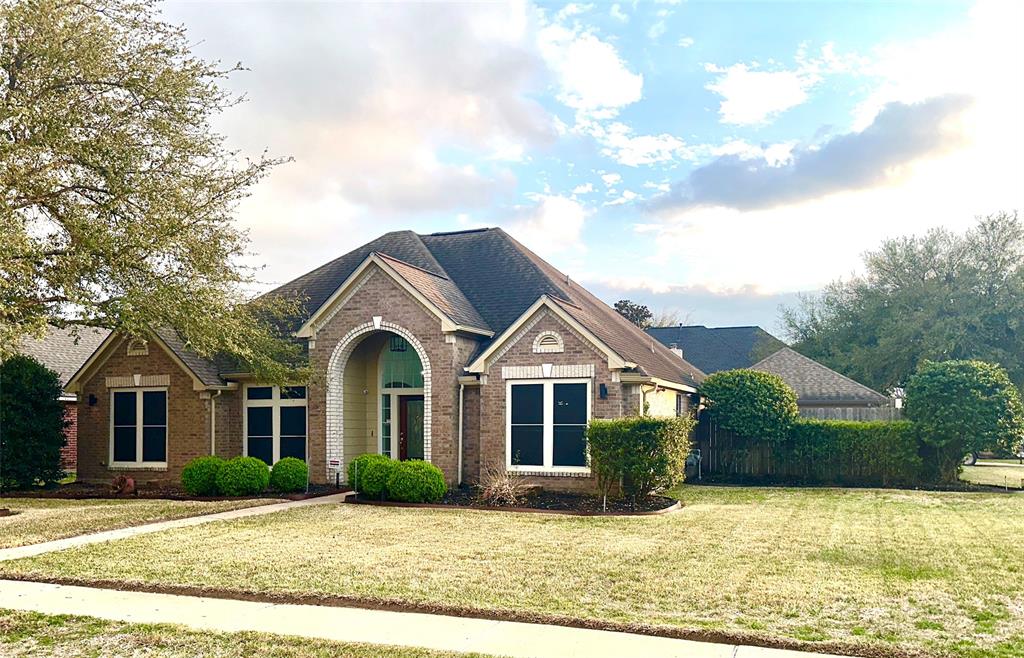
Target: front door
(410,427)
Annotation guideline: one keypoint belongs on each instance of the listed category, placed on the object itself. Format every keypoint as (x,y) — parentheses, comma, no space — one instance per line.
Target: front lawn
(1008,473)
(841,569)
(24,634)
(44,519)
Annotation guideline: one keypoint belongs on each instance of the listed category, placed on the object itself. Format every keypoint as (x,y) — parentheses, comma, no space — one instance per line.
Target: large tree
(935,297)
(636,313)
(117,194)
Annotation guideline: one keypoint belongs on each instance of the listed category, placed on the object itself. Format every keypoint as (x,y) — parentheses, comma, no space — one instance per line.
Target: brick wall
(188,417)
(69,453)
(577,351)
(378,295)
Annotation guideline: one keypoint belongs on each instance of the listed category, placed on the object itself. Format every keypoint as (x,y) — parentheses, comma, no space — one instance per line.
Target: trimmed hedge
(646,454)
(199,477)
(751,403)
(31,424)
(289,474)
(415,481)
(243,476)
(863,453)
(368,474)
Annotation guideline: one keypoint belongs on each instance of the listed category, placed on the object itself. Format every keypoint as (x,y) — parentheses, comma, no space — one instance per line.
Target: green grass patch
(1008,474)
(34,634)
(854,566)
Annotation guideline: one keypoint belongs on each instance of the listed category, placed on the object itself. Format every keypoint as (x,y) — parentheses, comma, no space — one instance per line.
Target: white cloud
(586,188)
(619,143)
(611,179)
(657,30)
(592,77)
(661,187)
(553,224)
(617,13)
(625,197)
(685,42)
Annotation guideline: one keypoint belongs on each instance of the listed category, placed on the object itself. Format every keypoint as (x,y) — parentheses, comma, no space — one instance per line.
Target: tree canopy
(751,403)
(636,313)
(936,297)
(118,195)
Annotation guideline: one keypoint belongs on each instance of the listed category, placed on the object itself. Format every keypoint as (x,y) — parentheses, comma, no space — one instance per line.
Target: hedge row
(242,476)
(644,454)
(412,481)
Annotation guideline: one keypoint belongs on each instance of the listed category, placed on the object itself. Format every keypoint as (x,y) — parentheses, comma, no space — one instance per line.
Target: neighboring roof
(719,348)
(64,349)
(814,382)
(485,275)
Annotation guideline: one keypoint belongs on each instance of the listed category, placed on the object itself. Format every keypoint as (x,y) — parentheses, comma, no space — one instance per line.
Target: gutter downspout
(213,422)
(462,389)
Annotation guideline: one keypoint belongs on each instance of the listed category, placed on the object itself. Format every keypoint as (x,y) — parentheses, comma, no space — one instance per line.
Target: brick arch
(336,389)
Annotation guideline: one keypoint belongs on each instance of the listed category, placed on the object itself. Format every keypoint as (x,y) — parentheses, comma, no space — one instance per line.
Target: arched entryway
(378,396)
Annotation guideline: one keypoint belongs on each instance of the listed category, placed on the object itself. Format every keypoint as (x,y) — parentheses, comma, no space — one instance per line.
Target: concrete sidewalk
(501,638)
(122,533)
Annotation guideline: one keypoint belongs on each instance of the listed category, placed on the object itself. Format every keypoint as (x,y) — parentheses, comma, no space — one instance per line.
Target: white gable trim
(341,295)
(482,362)
(102,353)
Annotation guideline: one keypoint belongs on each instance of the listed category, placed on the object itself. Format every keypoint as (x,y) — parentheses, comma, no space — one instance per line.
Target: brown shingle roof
(814,382)
(64,350)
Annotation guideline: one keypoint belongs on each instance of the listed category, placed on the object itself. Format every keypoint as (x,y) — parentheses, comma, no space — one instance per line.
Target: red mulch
(543,501)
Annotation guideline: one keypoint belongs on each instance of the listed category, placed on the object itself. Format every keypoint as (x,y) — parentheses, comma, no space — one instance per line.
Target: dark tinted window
(262,448)
(293,446)
(154,444)
(124,444)
(527,444)
(260,421)
(294,392)
(570,404)
(570,446)
(124,408)
(293,421)
(260,392)
(154,408)
(528,404)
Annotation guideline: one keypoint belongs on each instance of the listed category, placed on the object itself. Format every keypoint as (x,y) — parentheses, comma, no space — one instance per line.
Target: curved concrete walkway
(499,638)
(32,550)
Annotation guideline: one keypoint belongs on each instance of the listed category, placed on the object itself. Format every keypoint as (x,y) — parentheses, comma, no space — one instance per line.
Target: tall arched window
(400,367)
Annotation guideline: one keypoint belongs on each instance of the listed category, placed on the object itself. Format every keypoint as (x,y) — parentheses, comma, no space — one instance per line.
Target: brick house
(465,349)
(63,350)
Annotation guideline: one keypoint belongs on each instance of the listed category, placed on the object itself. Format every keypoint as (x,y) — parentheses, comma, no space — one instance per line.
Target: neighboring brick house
(821,392)
(64,350)
(464,349)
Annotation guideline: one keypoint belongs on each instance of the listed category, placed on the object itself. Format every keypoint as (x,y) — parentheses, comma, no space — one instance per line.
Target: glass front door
(410,427)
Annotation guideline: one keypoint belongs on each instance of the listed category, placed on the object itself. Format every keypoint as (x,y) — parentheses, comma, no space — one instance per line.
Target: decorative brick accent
(553,372)
(335,409)
(127,381)
(69,453)
(548,342)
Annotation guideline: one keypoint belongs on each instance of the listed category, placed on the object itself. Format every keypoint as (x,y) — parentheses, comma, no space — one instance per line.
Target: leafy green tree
(117,194)
(638,314)
(31,424)
(936,297)
(751,403)
(964,406)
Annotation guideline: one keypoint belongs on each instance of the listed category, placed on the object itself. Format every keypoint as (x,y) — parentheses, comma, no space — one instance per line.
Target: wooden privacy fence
(852,413)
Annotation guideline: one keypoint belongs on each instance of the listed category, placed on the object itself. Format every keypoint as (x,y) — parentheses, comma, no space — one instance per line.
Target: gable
(814,382)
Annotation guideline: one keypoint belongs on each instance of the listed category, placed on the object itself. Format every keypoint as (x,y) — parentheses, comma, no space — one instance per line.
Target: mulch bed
(83,491)
(751,638)
(543,501)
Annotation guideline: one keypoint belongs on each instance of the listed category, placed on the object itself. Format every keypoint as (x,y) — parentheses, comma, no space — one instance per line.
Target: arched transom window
(400,367)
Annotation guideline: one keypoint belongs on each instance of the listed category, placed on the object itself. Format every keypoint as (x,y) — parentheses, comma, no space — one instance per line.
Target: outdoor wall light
(602,391)
(92,400)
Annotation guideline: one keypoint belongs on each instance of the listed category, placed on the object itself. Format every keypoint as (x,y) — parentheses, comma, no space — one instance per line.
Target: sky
(711,160)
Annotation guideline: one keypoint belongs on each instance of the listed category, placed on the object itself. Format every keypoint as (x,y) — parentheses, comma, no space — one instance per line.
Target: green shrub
(199,477)
(31,424)
(243,476)
(750,403)
(416,481)
(646,454)
(289,474)
(368,474)
(846,452)
(961,407)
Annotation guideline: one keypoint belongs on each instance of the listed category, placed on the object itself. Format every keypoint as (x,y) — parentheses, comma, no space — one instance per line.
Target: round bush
(368,474)
(243,476)
(32,418)
(289,474)
(416,481)
(753,404)
(199,477)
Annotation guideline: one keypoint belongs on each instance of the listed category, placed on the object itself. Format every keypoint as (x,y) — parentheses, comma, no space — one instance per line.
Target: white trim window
(274,423)
(546,423)
(138,427)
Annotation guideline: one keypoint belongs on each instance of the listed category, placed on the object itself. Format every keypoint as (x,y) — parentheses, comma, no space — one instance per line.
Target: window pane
(124,408)
(260,421)
(124,444)
(293,421)
(570,445)
(154,444)
(259,393)
(527,444)
(385,425)
(293,446)
(527,404)
(293,393)
(154,408)
(400,366)
(262,448)
(570,404)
